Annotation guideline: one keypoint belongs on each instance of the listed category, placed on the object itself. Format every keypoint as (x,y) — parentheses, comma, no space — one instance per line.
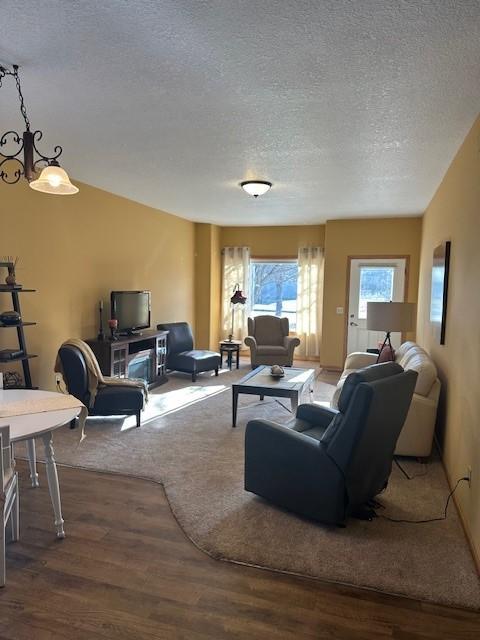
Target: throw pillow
(388,353)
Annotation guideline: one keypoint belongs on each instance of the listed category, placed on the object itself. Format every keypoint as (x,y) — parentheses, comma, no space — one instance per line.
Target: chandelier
(26,160)
(256,188)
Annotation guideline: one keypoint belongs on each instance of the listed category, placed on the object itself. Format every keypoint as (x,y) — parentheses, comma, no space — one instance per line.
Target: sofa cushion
(117,399)
(403,348)
(271,350)
(418,360)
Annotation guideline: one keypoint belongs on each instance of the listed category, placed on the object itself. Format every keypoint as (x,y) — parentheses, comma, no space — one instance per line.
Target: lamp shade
(55,180)
(390,316)
(238,297)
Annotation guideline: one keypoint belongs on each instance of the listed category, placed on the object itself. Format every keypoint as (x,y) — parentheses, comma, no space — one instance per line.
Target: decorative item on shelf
(390,317)
(101,334)
(10,263)
(256,188)
(439,290)
(237,298)
(113,324)
(10,354)
(52,179)
(12,379)
(10,318)
(276,371)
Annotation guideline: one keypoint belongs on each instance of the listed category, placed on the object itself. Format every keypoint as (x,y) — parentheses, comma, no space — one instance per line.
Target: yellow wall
(273,241)
(369,237)
(454,214)
(215,288)
(207,286)
(202,285)
(75,249)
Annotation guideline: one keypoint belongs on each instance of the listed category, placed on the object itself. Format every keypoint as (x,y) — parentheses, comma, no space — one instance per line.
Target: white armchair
(9,511)
(416,437)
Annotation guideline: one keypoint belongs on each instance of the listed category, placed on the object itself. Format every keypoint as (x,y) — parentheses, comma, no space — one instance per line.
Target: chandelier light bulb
(256,188)
(54,180)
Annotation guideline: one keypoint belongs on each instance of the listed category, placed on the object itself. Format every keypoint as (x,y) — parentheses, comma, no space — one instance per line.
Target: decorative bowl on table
(276,371)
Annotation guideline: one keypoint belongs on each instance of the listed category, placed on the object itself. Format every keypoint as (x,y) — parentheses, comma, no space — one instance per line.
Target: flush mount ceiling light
(52,179)
(256,188)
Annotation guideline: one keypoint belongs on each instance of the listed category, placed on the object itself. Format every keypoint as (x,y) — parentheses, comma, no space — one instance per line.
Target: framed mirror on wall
(439,291)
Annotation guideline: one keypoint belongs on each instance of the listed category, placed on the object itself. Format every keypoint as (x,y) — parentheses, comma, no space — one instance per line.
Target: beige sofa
(416,437)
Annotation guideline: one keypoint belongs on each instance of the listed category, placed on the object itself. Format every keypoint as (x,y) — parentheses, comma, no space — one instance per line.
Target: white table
(39,425)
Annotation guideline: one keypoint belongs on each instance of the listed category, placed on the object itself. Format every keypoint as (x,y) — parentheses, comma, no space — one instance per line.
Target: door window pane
(274,289)
(376,285)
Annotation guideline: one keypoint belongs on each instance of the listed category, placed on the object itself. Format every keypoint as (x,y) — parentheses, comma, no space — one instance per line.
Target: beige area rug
(187,443)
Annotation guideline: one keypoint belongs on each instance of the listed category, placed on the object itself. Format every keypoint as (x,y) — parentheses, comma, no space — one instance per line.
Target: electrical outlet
(469,475)
(339,311)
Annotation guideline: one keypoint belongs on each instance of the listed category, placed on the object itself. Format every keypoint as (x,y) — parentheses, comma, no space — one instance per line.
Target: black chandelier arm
(37,136)
(5,175)
(16,139)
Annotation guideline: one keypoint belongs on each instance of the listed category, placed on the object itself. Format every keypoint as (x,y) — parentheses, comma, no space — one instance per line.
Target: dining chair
(8,497)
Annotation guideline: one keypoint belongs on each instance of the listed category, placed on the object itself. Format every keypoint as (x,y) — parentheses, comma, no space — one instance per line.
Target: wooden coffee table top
(294,379)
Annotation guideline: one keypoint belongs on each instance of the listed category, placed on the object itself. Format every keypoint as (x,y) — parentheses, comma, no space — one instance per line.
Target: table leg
(294,403)
(32,462)
(229,359)
(234,406)
(53,487)
(238,356)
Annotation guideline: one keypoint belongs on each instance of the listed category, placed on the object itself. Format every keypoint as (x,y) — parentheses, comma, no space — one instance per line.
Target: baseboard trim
(331,367)
(461,515)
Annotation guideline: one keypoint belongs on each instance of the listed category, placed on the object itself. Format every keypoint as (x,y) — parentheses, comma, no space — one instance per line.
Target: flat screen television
(131,309)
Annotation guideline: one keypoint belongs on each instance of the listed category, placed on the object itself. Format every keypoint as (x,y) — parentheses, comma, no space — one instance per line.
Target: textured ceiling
(351,108)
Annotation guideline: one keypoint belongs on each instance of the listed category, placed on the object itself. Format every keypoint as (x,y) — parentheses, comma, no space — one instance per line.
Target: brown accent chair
(269,341)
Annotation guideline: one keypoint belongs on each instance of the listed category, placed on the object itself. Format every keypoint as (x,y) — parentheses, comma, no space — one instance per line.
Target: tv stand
(130,332)
(137,355)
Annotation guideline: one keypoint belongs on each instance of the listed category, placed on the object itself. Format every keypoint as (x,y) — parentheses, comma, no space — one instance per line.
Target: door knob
(353,324)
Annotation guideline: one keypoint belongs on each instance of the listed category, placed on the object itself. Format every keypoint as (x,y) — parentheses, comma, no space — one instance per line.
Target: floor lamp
(237,298)
(390,317)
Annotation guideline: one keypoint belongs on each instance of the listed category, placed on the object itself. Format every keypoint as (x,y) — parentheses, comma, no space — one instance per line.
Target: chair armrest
(359,359)
(251,342)
(316,415)
(290,342)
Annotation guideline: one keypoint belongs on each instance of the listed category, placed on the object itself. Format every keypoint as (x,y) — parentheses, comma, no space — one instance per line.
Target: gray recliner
(181,356)
(326,464)
(269,341)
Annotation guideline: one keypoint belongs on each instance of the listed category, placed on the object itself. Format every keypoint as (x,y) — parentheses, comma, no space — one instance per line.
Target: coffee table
(260,382)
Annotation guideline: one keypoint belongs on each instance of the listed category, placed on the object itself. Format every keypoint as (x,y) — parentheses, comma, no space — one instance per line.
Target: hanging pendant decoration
(25,160)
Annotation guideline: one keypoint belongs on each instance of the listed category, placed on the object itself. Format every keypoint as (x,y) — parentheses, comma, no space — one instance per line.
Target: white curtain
(236,270)
(309,301)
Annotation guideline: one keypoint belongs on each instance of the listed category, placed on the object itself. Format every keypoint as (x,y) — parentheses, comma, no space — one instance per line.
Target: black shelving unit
(25,357)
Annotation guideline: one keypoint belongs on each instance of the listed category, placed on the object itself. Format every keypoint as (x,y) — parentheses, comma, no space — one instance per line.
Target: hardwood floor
(126,571)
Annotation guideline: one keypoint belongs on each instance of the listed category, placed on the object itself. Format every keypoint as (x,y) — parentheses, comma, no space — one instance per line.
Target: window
(273,287)
(376,285)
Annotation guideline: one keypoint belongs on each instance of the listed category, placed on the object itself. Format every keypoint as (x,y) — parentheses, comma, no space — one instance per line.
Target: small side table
(230,348)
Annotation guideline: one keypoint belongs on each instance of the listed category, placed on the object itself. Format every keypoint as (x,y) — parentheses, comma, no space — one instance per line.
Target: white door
(372,280)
